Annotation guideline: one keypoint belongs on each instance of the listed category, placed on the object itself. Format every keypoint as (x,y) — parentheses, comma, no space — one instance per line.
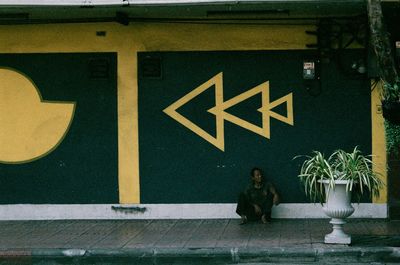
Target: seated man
(256,201)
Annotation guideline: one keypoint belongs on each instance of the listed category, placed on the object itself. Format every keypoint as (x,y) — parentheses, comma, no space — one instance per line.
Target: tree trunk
(381,43)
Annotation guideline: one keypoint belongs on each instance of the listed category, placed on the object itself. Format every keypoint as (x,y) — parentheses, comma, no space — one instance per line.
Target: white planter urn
(338,207)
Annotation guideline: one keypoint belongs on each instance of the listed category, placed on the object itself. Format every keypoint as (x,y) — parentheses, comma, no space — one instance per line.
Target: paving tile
(355,227)
(235,235)
(40,233)
(25,234)
(150,234)
(95,233)
(7,227)
(23,227)
(120,235)
(62,238)
(207,234)
(393,227)
(265,235)
(179,234)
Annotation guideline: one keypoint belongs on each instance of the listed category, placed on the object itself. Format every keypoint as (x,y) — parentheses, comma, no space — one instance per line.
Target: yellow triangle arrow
(221,114)
(217,141)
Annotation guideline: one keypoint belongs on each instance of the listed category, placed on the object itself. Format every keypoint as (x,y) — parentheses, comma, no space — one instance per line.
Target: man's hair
(254,170)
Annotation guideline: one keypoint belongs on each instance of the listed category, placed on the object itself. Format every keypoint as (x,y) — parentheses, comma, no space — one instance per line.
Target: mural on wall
(58,138)
(198,139)
(43,126)
(219,110)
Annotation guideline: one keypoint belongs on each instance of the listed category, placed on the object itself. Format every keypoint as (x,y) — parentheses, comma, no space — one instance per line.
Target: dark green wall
(178,166)
(84,167)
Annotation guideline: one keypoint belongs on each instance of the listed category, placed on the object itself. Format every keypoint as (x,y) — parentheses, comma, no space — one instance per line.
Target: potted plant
(332,181)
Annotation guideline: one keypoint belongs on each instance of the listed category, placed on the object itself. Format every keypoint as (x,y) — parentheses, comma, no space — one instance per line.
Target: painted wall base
(169,211)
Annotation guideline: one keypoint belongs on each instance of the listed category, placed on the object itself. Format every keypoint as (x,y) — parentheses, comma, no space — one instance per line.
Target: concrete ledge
(170,211)
(152,2)
(203,255)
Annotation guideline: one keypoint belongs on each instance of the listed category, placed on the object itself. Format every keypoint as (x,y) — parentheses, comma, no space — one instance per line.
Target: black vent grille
(150,67)
(99,68)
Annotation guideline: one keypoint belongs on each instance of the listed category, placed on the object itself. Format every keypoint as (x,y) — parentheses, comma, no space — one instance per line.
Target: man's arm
(275,194)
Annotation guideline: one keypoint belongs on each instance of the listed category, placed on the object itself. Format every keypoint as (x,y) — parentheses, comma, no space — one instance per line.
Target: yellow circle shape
(30,127)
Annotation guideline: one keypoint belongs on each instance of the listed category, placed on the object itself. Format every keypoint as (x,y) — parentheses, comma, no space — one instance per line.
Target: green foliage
(353,167)
(313,169)
(391,92)
(392,137)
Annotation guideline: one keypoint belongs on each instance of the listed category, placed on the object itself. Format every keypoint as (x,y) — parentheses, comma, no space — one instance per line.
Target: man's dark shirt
(258,195)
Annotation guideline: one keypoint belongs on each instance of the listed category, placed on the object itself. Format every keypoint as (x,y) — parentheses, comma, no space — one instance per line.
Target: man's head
(256,175)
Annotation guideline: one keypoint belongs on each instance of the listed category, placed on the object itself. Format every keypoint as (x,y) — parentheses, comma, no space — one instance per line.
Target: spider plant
(357,170)
(314,169)
(353,167)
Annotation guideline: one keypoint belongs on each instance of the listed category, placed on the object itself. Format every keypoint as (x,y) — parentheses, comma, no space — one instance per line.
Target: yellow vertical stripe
(378,140)
(128,146)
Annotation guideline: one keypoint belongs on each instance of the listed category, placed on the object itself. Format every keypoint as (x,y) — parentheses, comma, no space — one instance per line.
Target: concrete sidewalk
(220,241)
